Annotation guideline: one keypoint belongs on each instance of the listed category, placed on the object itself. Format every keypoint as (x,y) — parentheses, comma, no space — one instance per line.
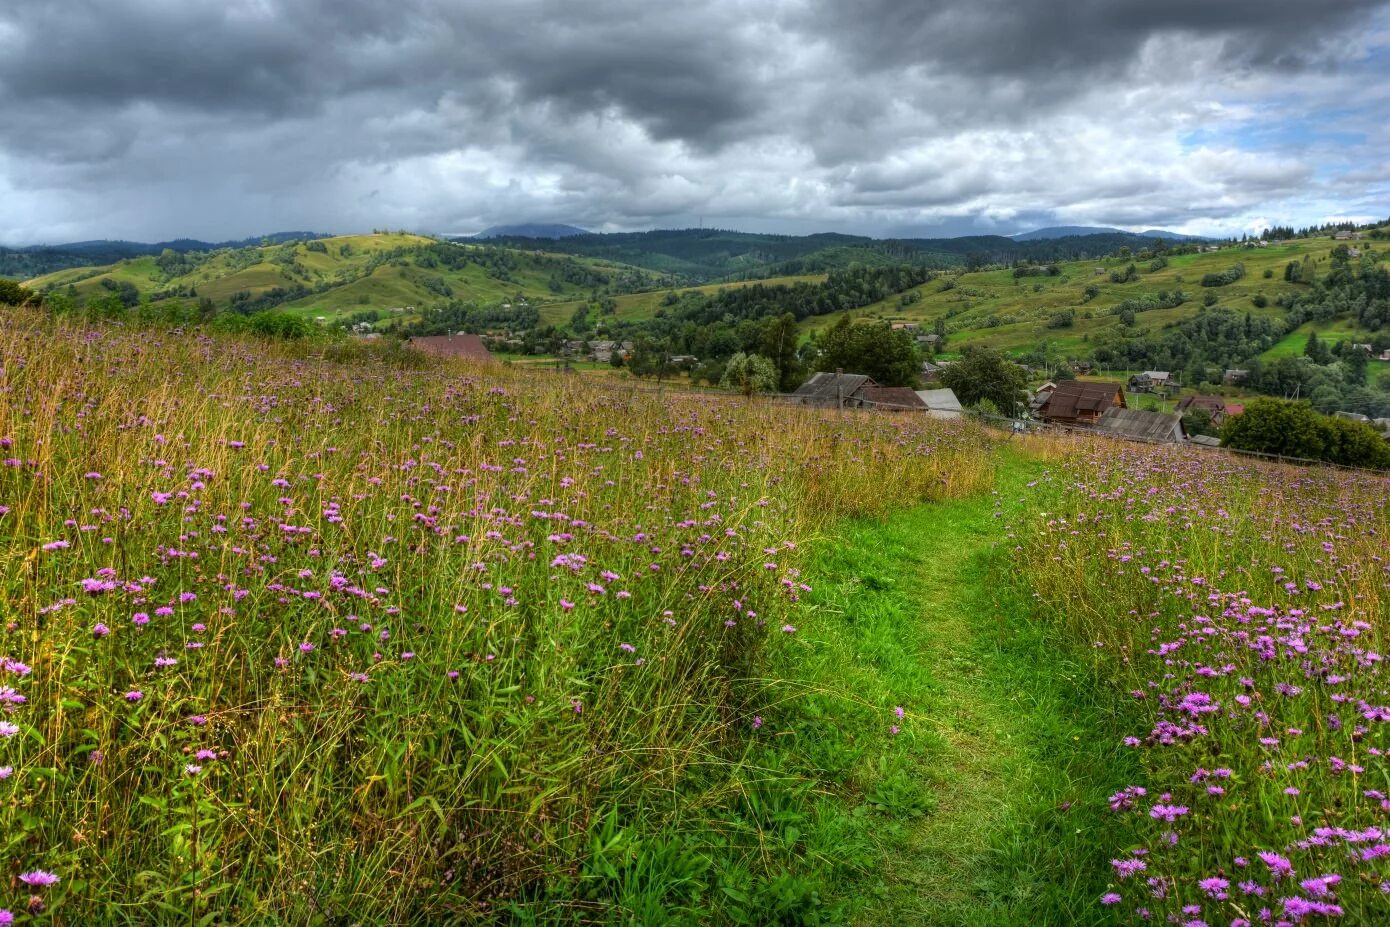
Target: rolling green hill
(331,278)
(998,309)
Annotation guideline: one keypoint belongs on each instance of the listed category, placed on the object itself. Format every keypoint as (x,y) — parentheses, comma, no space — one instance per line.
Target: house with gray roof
(833,390)
(941,403)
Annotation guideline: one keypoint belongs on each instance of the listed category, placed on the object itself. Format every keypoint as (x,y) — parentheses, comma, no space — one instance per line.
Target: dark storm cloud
(1007,39)
(158,117)
(679,73)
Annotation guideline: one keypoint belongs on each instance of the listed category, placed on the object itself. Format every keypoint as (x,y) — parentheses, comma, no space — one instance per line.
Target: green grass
(985,809)
(1292,344)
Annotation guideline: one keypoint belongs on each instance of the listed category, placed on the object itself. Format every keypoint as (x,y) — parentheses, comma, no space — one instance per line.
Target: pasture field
(329,633)
(996,309)
(1292,344)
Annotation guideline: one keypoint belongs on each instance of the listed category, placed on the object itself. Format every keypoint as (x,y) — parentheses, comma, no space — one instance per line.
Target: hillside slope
(998,309)
(331,278)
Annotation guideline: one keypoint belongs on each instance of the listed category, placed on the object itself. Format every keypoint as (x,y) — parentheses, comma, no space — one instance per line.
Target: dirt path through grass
(1000,733)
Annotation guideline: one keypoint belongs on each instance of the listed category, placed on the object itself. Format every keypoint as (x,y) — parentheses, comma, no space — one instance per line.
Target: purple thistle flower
(38,878)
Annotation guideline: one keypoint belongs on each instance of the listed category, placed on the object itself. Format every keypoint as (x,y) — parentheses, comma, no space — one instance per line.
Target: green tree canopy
(1295,429)
(779,343)
(985,373)
(873,349)
(749,374)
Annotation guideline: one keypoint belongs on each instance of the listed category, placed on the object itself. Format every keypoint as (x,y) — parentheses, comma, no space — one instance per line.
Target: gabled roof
(1210,403)
(1141,424)
(940,400)
(827,387)
(467,346)
(892,397)
(1073,396)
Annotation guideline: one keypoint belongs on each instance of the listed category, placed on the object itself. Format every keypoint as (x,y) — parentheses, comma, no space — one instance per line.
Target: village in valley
(1061,395)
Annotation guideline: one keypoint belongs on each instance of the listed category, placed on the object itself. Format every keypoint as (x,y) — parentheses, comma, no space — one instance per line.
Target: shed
(1208,441)
(1150,380)
(1142,425)
(942,402)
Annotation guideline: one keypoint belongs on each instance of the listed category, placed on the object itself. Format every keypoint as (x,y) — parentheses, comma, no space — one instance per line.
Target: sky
(221,119)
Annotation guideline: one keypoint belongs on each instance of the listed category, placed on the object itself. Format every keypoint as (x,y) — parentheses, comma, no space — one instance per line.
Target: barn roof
(1141,424)
(893,397)
(1073,396)
(1209,403)
(466,346)
(827,387)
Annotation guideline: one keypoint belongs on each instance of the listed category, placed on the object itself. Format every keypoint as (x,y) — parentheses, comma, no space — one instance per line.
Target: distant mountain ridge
(532,230)
(34,260)
(1081,231)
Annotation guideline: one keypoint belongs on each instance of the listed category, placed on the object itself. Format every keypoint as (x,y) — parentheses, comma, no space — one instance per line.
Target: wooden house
(1079,402)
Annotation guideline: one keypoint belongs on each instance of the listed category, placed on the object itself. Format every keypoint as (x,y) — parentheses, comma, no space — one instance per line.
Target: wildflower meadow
(324,636)
(328,633)
(1239,613)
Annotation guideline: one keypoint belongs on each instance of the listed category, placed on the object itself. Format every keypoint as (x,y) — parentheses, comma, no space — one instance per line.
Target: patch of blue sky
(1336,127)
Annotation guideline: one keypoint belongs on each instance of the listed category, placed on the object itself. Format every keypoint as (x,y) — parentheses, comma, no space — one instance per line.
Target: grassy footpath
(974,812)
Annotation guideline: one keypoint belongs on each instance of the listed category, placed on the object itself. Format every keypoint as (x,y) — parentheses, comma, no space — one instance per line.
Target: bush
(1225,277)
(271,324)
(1295,429)
(12,294)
